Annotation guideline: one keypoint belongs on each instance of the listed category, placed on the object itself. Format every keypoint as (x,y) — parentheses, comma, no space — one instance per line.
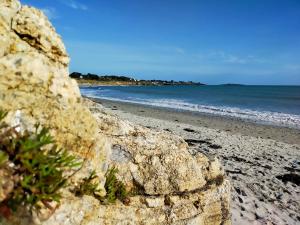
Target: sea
(275,105)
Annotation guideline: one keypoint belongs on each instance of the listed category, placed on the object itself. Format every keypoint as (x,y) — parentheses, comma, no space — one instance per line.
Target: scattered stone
(261,213)
(155,202)
(189,130)
(214,146)
(240,199)
(194,141)
(292,169)
(290,177)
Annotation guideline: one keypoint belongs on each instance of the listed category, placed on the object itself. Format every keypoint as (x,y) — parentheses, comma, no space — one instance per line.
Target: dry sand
(263,162)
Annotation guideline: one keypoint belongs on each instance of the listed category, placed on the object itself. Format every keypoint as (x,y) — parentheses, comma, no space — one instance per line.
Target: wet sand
(231,125)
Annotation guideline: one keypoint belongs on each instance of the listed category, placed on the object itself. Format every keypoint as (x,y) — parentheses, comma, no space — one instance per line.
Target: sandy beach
(262,161)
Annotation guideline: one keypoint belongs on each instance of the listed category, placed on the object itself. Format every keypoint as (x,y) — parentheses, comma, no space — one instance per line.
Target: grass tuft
(37,165)
(88,186)
(115,189)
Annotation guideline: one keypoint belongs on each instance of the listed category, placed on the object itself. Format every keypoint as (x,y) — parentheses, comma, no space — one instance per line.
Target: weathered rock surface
(174,184)
(171,183)
(35,86)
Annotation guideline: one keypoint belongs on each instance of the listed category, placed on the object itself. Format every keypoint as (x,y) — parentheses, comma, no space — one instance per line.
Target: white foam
(275,118)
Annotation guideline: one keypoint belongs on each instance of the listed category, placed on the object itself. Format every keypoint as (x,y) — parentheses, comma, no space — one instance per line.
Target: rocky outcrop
(174,184)
(35,86)
(170,184)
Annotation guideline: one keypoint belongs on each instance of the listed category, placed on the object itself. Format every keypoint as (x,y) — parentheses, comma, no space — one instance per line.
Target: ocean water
(277,105)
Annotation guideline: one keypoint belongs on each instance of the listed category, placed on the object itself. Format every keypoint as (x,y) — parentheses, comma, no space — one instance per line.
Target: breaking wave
(275,118)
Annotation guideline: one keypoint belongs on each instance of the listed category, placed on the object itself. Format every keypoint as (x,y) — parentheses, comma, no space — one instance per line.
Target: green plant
(37,164)
(2,115)
(88,186)
(115,189)
(3,158)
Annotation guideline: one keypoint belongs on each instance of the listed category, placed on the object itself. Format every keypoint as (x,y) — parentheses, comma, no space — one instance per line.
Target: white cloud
(74,4)
(179,50)
(293,67)
(50,12)
(167,49)
(235,59)
(226,57)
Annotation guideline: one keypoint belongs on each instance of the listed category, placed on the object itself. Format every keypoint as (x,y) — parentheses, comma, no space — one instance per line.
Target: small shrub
(88,186)
(115,189)
(37,165)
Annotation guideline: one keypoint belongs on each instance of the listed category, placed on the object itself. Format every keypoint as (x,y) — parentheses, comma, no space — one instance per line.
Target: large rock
(170,183)
(35,86)
(173,184)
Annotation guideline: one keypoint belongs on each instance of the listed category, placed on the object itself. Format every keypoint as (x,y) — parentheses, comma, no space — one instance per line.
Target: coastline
(120,84)
(261,161)
(97,84)
(230,125)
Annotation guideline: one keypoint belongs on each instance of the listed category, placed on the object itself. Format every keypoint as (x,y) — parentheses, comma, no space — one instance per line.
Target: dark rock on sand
(189,130)
(290,177)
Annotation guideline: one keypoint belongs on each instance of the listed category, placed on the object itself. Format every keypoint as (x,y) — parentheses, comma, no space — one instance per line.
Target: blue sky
(211,41)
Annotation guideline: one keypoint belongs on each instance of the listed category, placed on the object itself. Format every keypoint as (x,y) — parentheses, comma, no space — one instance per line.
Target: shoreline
(114,84)
(223,123)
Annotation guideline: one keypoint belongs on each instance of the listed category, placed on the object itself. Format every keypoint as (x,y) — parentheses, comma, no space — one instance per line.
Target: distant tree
(75,75)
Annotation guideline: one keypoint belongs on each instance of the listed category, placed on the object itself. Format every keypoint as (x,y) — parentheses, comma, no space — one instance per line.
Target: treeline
(95,77)
(132,81)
